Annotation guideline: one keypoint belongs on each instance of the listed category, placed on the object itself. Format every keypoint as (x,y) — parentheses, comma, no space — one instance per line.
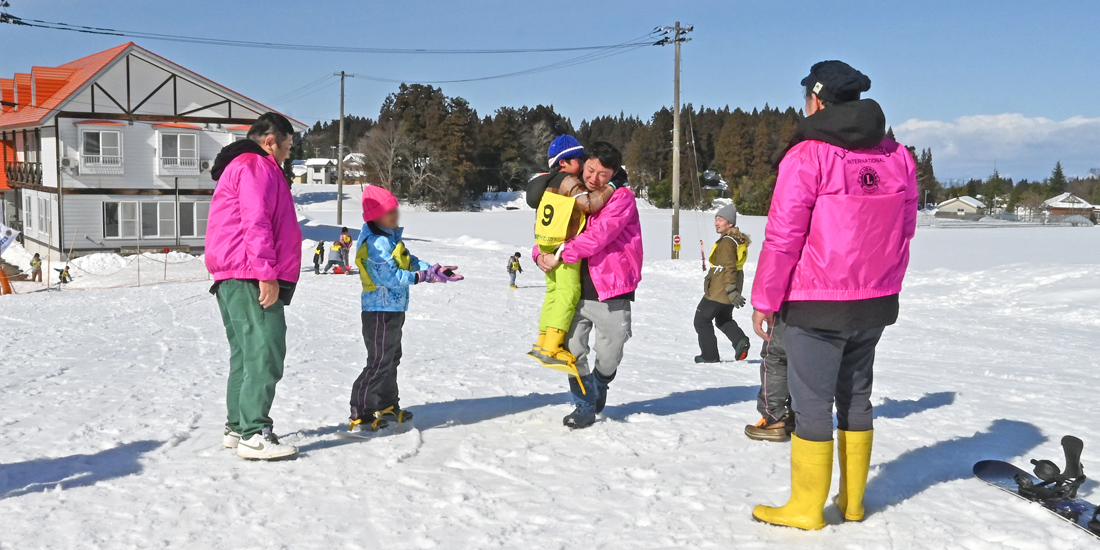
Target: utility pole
(340,159)
(340,155)
(676,40)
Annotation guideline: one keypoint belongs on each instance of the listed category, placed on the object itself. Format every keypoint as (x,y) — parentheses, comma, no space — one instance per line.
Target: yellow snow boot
(811,474)
(538,343)
(854,451)
(554,355)
(553,352)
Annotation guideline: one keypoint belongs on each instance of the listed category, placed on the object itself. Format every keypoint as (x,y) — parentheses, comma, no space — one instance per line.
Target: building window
(120,220)
(158,219)
(101,152)
(179,154)
(43,223)
(193,217)
(28,213)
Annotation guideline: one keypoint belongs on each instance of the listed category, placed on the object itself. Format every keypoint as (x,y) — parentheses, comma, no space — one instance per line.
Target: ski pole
(703,254)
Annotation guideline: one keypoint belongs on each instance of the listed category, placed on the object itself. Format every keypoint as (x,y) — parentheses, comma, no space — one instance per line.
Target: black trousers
(709,314)
(831,368)
(376,387)
(774,400)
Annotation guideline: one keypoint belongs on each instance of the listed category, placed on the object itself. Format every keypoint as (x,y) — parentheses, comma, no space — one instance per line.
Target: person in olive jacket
(722,290)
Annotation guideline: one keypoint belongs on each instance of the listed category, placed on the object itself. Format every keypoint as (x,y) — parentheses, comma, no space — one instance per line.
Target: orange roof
(53,85)
(7,93)
(178,125)
(63,80)
(100,122)
(239,128)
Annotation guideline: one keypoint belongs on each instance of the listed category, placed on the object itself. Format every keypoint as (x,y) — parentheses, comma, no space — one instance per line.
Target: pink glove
(438,274)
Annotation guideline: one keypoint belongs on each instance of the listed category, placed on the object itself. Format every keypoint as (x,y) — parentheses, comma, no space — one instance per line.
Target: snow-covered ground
(111,408)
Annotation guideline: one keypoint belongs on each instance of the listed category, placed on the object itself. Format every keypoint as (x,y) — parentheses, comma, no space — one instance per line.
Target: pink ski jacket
(612,242)
(839,225)
(253,232)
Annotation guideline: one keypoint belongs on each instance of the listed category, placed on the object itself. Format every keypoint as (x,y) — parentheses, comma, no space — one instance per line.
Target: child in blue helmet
(562,201)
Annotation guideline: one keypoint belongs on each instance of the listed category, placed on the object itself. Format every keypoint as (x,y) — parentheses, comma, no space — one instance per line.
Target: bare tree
(538,141)
(1032,202)
(385,148)
(427,180)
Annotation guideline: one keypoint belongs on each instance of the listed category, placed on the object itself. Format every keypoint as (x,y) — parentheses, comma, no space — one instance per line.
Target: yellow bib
(742,253)
(552,223)
(362,256)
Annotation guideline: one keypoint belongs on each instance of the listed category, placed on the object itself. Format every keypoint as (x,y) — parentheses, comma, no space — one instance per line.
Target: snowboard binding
(1056,483)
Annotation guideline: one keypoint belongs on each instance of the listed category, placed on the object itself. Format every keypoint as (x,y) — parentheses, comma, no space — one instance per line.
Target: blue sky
(1009,83)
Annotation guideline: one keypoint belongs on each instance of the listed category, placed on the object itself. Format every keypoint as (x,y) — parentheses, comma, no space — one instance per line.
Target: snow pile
(100,264)
(504,200)
(18,256)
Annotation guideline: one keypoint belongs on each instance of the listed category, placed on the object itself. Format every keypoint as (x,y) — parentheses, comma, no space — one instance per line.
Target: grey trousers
(774,400)
(611,319)
(827,367)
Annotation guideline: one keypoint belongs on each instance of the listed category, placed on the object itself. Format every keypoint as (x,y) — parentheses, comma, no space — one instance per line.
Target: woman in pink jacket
(254,253)
(610,252)
(835,252)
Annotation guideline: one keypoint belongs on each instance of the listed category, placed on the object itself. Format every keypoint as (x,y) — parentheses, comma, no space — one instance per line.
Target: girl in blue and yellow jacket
(387,270)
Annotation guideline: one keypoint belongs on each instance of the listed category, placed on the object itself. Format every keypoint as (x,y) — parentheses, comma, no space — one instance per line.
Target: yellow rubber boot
(811,475)
(538,343)
(854,451)
(553,346)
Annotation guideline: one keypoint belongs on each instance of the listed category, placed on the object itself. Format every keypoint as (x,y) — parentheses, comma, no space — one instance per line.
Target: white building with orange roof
(112,152)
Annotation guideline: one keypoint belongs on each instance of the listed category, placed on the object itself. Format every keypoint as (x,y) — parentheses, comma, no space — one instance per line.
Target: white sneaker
(264,446)
(231,438)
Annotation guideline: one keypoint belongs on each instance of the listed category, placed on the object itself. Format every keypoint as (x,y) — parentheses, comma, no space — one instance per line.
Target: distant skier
(609,252)
(318,255)
(336,258)
(387,270)
(722,289)
(345,247)
(36,269)
(834,256)
(63,276)
(254,253)
(514,268)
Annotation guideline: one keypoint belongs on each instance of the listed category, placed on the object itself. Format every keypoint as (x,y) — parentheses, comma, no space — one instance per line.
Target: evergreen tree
(1056,185)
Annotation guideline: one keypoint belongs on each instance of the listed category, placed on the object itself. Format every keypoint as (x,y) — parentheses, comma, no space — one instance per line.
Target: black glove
(736,299)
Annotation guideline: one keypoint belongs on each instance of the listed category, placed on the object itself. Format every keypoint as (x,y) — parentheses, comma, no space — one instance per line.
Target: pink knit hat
(377,201)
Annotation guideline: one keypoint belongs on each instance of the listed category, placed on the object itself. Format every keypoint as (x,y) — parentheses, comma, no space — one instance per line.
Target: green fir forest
(434,149)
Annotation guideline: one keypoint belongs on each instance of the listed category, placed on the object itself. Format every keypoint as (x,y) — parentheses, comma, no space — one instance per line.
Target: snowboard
(1054,490)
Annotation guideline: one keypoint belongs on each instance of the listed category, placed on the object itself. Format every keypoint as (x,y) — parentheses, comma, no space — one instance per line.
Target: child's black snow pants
(376,387)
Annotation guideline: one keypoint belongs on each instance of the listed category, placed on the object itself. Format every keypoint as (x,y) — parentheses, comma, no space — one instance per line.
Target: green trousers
(563,291)
(257,348)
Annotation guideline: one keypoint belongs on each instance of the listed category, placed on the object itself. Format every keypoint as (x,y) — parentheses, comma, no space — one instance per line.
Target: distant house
(113,151)
(961,207)
(298,171)
(1068,204)
(320,171)
(355,168)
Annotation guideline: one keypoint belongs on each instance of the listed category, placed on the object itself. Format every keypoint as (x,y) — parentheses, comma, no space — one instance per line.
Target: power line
(534,70)
(54,25)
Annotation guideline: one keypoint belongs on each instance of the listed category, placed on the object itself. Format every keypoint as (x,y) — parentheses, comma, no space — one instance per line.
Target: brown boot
(770,431)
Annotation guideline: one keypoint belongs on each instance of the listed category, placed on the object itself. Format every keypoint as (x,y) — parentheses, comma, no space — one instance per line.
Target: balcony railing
(101,164)
(174,166)
(29,173)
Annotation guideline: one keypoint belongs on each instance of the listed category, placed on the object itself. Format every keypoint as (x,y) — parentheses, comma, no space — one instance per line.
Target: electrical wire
(534,70)
(61,26)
